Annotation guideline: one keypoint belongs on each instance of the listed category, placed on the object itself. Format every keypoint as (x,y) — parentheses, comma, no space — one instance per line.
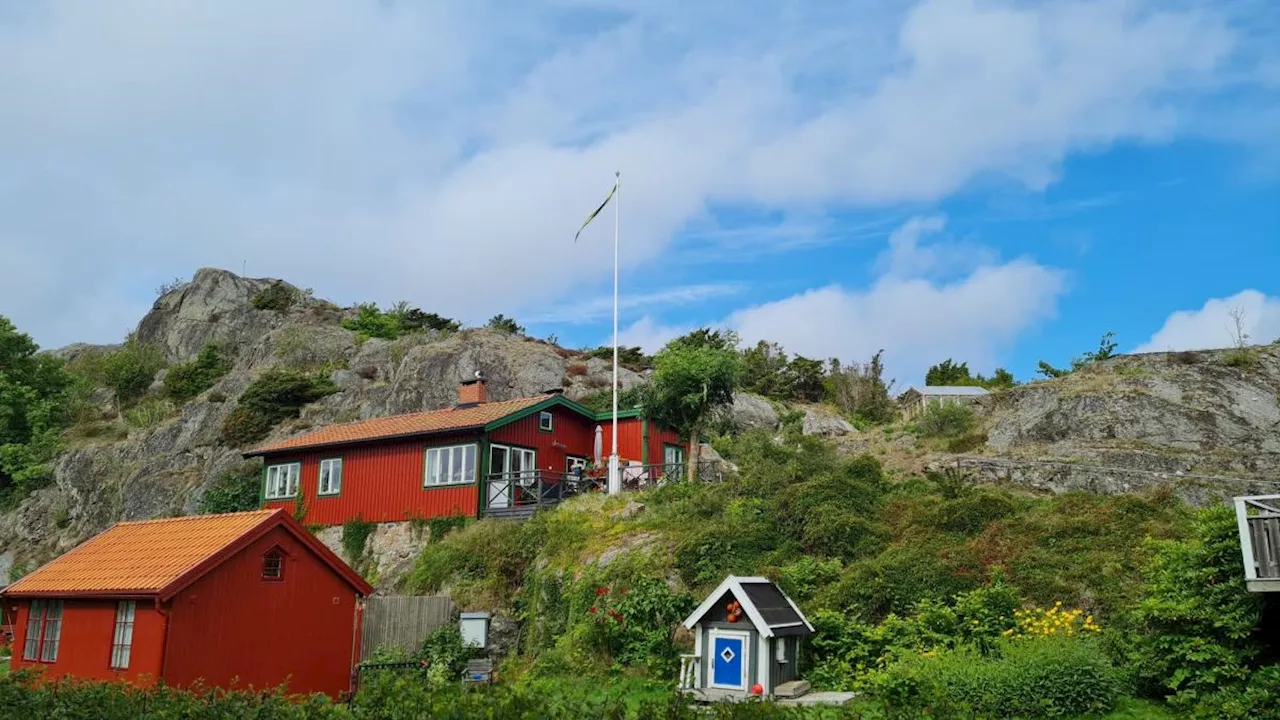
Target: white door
(507,467)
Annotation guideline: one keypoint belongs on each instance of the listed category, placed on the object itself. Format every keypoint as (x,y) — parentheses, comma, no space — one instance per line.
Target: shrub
(235,490)
(945,420)
(278,296)
(1241,357)
(400,319)
(189,379)
(502,323)
(148,413)
(576,369)
(1046,677)
(276,395)
(355,535)
(129,369)
(630,357)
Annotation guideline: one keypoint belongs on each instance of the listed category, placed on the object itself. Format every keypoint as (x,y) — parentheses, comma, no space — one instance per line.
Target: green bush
(945,419)
(502,323)
(1044,677)
(278,296)
(189,379)
(34,394)
(148,413)
(130,369)
(355,535)
(275,396)
(401,319)
(235,490)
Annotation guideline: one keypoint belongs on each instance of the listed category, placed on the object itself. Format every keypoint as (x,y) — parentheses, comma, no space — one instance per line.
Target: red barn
(478,457)
(243,599)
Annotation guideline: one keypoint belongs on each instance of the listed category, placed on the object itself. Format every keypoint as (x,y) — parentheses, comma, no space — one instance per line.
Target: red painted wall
(571,434)
(233,625)
(88,627)
(381,482)
(659,436)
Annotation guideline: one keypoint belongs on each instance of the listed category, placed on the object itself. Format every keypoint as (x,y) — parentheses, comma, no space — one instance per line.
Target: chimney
(473,392)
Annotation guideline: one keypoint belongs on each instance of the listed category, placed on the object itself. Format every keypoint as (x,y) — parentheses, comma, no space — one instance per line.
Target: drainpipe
(164,646)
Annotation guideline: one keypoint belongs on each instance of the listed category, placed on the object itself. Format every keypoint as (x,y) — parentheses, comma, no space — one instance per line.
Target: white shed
(918,398)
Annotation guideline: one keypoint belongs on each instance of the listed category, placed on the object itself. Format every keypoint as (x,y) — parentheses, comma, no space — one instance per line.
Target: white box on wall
(474,627)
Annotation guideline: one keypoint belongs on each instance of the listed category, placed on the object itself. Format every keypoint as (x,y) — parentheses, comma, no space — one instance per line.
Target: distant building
(477,458)
(241,599)
(918,399)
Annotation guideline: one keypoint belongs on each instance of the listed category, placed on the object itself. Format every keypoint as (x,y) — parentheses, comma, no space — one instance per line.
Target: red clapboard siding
(381,482)
(88,629)
(571,434)
(630,439)
(231,625)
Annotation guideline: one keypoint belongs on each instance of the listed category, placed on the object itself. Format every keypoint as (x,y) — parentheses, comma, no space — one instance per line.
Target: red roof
(160,557)
(459,418)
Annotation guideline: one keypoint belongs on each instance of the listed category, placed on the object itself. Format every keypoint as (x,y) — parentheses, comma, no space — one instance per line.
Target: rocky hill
(1204,420)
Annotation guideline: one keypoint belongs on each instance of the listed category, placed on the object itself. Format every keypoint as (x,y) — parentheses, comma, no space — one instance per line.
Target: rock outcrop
(752,412)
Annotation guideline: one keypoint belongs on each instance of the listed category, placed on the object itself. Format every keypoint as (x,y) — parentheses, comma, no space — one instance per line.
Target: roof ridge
(187,518)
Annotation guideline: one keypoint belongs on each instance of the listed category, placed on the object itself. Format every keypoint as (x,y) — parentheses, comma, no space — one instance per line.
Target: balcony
(1258,518)
(520,494)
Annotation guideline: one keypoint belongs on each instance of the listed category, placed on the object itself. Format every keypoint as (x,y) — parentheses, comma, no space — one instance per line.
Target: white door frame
(745,637)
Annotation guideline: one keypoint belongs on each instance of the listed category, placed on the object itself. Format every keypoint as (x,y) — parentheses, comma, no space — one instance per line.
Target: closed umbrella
(599,446)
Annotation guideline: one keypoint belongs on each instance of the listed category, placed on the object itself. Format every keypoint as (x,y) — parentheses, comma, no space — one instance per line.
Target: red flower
(591,609)
(602,591)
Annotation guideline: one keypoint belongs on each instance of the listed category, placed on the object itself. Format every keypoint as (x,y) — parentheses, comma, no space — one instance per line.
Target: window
(282,480)
(545,420)
(122,642)
(452,465)
(44,630)
(780,644)
(672,455)
(331,477)
(572,463)
(273,565)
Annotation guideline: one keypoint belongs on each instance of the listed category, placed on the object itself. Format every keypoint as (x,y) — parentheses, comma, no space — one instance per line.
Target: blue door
(728,660)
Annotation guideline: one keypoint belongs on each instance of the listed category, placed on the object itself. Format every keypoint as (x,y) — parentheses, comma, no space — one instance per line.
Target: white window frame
(449,453)
(46,619)
(745,637)
(35,630)
(573,462)
(286,489)
(122,638)
(680,452)
(335,488)
(550,419)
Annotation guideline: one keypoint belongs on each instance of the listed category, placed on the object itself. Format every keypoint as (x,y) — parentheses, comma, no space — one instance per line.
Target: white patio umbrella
(598,449)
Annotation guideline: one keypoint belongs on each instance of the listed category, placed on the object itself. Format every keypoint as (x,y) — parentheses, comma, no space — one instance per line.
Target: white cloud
(444,154)
(1212,326)
(649,334)
(915,320)
(601,307)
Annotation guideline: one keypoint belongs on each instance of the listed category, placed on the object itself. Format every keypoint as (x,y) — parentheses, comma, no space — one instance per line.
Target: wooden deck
(1259,523)
(712,695)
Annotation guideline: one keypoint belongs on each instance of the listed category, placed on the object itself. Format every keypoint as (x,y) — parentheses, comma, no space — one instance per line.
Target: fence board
(402,621)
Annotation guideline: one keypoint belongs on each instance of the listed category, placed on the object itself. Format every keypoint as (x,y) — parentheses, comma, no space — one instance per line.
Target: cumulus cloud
(444,154)
(649,334)
(915,320)
(1213,325)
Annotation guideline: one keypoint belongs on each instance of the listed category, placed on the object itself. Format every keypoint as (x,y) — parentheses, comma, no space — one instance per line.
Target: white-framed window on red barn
(44,631)
(122,639)
(273,565)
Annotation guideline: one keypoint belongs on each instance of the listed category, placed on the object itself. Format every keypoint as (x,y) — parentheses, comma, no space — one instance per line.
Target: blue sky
(998,181)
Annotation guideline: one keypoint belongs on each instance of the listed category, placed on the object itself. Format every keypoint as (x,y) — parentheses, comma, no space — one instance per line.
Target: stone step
(791,689)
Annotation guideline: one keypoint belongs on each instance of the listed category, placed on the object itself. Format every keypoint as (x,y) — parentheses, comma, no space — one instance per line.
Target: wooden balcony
(519,494)
(1258,518)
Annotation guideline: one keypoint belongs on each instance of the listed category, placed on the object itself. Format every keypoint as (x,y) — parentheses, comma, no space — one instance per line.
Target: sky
(992,181)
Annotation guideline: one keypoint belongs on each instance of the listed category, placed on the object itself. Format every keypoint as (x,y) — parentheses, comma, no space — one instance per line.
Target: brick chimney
(473,392)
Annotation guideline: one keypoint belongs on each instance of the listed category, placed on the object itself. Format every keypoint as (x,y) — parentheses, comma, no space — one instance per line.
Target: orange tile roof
(402,425)
(140,557)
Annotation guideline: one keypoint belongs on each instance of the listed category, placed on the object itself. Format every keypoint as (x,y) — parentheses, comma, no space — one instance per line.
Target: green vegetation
(767,371)
(400,320)
(129,370)
(950,373)
(692,376)
(945,419)
(629,357)
(275,396)
(148,413)
(355,536)
(33,401)
(235,490)
(859,391)
(502,323)
(601,400)
(189,379)
(1106,349)
(278,296)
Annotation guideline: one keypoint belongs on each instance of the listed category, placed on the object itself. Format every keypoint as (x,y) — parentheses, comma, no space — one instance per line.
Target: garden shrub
(276,395)
(235,490)
(189,379)
(1043,677)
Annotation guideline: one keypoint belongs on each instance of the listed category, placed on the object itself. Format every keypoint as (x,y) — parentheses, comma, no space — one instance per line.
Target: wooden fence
(402,621)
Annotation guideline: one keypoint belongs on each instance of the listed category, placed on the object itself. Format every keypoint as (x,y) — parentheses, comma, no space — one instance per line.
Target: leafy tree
(632,357)
(1001,378)
(130,369)
(502,323)
(763,367)
(693,375)
(948,373)
(1106,350)
(32,394)
(859,390)
(189,379)
(401,319)
(805,378)
(275,396)
(1050,371)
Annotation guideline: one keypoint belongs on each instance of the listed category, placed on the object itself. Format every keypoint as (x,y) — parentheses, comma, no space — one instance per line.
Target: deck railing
(690,669)
(1258,518)
(511,492)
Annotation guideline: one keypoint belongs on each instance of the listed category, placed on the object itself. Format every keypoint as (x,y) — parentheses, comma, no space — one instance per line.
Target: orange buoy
(757,689)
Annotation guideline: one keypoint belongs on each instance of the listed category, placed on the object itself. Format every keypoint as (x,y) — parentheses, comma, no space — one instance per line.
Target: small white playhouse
(746,642)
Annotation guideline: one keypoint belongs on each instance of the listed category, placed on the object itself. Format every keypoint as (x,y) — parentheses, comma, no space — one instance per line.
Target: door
(729,660)
(508,466)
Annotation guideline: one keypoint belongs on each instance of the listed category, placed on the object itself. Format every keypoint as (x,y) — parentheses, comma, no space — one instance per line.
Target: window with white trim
(545,420)
(330,477)
(122,640)
(44,631)
(282,480)
(672,455)
(273,565)
(453,465)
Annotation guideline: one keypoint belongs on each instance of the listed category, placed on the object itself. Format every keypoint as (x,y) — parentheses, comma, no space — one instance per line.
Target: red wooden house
(478,457)
(242,599)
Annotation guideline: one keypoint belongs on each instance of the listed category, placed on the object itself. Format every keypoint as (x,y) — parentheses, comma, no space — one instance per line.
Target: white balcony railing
(690,670)
(1258,518)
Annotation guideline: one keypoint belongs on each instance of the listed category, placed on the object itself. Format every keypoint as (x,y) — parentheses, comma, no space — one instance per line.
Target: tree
(859,390)
(948,373)
(32,402)
(804,379)
(692,376)
(762,369)
(1106,350)
(502,323)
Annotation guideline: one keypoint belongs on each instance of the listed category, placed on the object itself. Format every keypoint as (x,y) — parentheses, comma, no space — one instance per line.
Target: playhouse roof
(768,608)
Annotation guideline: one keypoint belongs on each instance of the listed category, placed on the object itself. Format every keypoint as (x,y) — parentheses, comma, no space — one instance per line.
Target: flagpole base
(615,475)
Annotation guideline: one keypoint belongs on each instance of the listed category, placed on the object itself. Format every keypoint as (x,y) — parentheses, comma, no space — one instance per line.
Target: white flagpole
(615,479)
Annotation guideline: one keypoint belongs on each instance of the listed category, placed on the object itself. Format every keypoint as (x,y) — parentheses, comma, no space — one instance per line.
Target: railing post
(1246,540)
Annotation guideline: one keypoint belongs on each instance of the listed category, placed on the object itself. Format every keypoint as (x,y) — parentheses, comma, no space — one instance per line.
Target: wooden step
(791,689)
